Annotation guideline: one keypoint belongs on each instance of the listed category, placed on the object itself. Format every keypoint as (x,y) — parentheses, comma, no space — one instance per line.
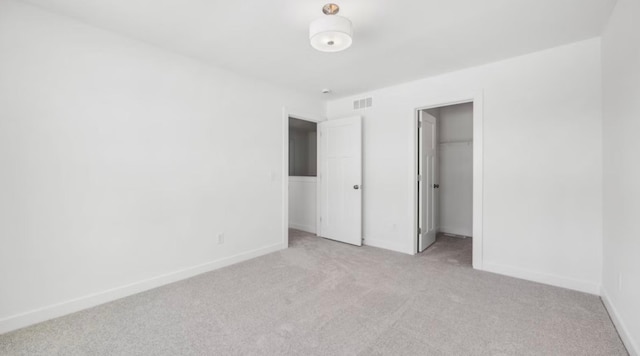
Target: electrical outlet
(220,239)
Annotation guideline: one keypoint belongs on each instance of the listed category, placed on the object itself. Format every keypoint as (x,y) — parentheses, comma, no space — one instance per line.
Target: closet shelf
(468,142)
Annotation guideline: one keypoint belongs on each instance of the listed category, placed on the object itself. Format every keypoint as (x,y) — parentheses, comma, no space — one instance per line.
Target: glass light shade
(331,33)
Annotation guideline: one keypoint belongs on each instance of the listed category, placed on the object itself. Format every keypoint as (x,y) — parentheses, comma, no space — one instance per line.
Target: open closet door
(340,179)
(426,181)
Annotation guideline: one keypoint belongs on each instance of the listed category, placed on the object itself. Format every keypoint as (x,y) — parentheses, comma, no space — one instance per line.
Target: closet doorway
(446,166)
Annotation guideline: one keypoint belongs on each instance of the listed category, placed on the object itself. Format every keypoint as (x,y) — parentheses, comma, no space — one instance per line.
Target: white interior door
(340,180)
(426,181)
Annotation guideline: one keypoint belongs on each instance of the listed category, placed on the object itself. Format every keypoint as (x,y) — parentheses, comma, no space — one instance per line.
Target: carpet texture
(321,297)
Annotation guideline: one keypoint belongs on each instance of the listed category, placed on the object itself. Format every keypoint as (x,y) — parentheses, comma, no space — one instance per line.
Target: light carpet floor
(321,297)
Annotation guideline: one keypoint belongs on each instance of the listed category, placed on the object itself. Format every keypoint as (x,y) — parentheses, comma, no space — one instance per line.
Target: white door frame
(478,165)
(285,172)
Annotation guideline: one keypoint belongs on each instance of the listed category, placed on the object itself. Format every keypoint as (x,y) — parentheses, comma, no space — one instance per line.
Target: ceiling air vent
(362,103)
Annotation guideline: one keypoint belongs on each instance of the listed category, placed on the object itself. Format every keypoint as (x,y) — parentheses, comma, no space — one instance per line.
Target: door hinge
(419,124)
(419,231)
(419,177)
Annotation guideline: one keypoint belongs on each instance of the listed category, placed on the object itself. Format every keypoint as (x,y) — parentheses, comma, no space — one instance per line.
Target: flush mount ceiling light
(331,33)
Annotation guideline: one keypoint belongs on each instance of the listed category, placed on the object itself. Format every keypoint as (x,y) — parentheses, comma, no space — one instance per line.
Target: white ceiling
(394,41)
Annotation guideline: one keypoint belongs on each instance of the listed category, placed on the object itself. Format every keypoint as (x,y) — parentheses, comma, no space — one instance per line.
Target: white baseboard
(554,280)
(306,228)
(455,231)
(629,343)
(22,320)
(385,245)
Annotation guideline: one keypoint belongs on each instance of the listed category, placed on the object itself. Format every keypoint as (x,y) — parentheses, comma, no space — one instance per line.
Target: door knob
(356,187)
(435,186)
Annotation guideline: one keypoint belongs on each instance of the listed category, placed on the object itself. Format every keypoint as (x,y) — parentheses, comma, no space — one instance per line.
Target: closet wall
(455,157)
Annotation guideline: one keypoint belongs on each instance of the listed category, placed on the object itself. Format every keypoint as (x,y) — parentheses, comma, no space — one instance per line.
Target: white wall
(621,76)
(303,203)
(122,163)
(542,162)
(455,161)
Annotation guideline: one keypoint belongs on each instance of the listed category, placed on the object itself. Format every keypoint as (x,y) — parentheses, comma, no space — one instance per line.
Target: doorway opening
(448,170)
(303,177)
(322,185)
